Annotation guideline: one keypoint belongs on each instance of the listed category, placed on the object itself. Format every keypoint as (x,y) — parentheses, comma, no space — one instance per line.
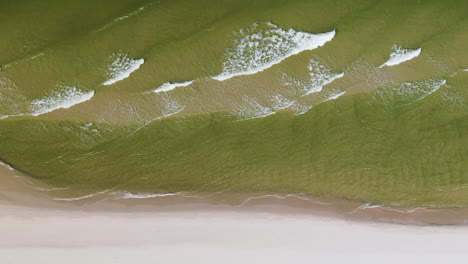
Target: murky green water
(251,96)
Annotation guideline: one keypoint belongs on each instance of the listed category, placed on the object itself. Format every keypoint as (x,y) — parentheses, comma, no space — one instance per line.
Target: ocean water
(360,100)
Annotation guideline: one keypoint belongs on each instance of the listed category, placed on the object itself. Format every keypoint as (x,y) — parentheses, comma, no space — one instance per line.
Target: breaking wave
(129,15)
(408,92)
(13,104)
(251,109)
(300,109)
(399,55)
(335,95)
(264,45)
(65,97)
(171,106)
(6,166)
(128,195)
(71,199)
(171,86)
(121,68)
(320,76)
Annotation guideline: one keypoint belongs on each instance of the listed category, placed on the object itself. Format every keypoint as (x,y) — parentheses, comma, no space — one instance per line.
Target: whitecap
(281,102)
(65,97)
(251,109)
(127,16)
(320,76)
(300,109)
(172,107)
(131,14)
(335,95)
(122,67)
(408,92)
(266,44)
(171,86)
(399,55)
(11,100)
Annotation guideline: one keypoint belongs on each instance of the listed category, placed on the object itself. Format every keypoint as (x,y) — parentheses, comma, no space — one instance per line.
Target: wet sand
(19,190)
(222,228)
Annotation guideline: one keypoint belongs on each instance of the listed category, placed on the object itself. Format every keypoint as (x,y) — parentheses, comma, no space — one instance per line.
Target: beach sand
(36,229)
(32,235)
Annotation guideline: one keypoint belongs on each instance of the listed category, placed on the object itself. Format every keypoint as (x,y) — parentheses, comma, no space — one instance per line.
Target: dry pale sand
(31,235)
(71,233)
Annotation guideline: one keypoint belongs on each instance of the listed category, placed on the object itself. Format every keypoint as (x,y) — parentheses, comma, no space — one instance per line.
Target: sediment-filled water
(359,100)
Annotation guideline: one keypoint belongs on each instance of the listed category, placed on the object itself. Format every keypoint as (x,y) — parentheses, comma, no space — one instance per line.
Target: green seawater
(396,136)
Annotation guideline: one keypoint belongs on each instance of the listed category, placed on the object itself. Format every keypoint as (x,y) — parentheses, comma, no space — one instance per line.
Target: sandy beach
(233,131)
(57,236)
(36,228)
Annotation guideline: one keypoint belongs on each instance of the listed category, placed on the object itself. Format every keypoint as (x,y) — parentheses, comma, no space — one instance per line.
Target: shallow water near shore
(240,98)
(19,191)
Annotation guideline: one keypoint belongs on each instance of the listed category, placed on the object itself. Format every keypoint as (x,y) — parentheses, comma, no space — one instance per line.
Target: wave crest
(266,44)
(65,97)
(400,55)
(408,92)
(166,87)
(122,67)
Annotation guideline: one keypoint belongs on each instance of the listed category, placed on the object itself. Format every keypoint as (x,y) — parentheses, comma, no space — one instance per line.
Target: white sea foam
(253,109)
(335,95)
(408,92)
(297,196)
(399,55)
(172,107)
(171,86)
(317,86)
(65,97)
(129,15)
(11,101)
(264,45)
(127,195)
(122,67)
(71,199)
(320,76)
(281,102)
(6,166)
(7,116)
(369,206)
(48,189)
(300,109)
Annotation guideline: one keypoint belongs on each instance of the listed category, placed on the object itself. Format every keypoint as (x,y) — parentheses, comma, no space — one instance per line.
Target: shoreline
(172,229)
(51,236)
(18,190)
